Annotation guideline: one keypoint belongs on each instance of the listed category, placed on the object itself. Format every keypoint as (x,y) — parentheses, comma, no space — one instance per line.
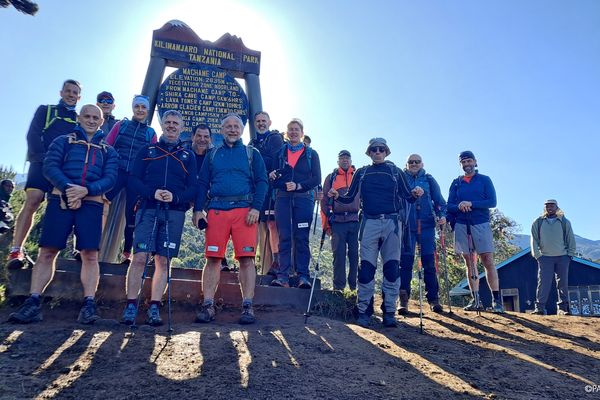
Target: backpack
(125,122)
(52,115)
(249,153)
(539,221)
(395,174)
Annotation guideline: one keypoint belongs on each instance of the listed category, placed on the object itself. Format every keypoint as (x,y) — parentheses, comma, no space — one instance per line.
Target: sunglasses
(376,149)
(413,162)
(106,101)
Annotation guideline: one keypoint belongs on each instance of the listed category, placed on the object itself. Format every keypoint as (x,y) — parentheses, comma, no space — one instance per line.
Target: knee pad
(366,272)
(391,272)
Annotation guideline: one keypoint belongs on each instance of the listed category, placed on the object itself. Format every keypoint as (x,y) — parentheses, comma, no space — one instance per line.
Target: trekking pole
(151,239)
(316,207)
(443,245)
(312,289)
(169,324)
(473,265)
(420,272)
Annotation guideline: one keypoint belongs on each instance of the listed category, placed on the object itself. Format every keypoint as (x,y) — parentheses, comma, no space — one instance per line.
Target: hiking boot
(207,313)
(473,307)
(29,312)
(247,316)
(389,320)
(539,311)
(129,314)
(363,320)
(279,282)
(436,307)
(403,309)
(497,308)
(88,313)
(16,260)
(563,311)
(304,283)
(153,316)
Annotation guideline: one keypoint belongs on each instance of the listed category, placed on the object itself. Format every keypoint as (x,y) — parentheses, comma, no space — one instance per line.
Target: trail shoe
(304,283)
(563,311)
(16,260)
(363,320)
(403,309)
(153,316)
(436,307)
(279,282)
(30,311)
(207,313)
(247,314)
(498,308)
(389,320)
(473,307)
(538,311)
(88,313)
(129,314)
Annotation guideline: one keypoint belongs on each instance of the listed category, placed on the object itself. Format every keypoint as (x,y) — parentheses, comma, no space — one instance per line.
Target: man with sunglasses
(106,102)
(49,122)
(469,201)
(384,190)
(427,212)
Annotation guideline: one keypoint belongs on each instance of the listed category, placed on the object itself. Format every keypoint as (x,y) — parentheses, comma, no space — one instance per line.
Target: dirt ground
(460,355)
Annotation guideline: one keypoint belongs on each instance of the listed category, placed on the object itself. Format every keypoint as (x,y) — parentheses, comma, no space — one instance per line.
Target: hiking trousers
(549,266)
(407,260)
(344,240)
(380,236)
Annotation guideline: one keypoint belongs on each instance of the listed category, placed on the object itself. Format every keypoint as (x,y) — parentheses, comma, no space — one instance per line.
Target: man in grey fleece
(552,245)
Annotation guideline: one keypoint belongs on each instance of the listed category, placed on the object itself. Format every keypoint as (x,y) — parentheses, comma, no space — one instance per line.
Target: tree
(7,172)
(24,6)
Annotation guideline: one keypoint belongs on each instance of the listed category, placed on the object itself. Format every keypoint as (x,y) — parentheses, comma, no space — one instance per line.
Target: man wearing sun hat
(384,190)
(106,102)
(552,245)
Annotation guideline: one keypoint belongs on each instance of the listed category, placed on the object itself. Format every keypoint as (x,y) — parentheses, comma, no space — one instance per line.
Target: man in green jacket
(552,245)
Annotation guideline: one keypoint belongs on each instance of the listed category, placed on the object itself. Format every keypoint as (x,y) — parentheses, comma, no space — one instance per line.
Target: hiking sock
(88,298)
(208,302)
(132,301)
(14,249)
(36,298)
(496,294)
(247,302)
(155,302)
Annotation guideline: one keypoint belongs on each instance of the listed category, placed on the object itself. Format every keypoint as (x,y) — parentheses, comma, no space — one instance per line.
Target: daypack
(52,115)
(539,221)
(395,174)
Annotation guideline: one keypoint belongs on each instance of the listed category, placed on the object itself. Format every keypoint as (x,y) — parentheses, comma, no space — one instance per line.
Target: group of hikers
(80,163)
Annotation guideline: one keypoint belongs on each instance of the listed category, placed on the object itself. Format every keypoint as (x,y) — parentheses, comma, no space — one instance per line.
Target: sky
(517,82)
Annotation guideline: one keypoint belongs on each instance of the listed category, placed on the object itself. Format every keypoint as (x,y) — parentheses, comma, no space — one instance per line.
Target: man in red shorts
(232,188)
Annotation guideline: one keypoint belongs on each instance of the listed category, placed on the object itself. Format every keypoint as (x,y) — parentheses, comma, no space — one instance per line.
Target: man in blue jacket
(81,167)
(164,177)
(424,215)
(469,202)
(48,123)
(232,188)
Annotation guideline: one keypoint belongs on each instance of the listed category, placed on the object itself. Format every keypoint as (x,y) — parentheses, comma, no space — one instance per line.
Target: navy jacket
(61,121)
(480,191)
(428,206)
(128,137)
(165,166)
(308,178)
(226,182)
(269,148)
(73,159)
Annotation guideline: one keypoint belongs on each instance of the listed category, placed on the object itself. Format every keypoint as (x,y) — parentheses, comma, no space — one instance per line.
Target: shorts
(86,221)
(225,223)
(483,240)
(150,233)
(36,178)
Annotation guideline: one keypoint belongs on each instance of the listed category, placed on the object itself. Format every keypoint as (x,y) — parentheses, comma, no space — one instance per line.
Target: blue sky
(516,82)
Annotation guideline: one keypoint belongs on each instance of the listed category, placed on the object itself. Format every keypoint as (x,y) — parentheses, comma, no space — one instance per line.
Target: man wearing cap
(469,202)
(48,123)
(384,190)
(232,188)
(427,212)
(552,245)
(340,221)
(106,102)
(128,137)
